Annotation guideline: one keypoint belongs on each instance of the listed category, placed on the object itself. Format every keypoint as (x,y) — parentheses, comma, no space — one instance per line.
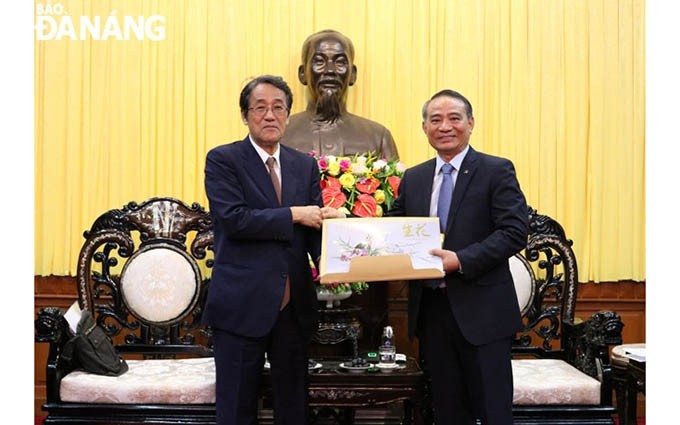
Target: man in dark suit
(466,321)
(267,218)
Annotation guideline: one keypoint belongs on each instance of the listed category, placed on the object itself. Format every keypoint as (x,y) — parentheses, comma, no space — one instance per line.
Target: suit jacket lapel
(423,190)
(288,178)
(463,179)
(258,171)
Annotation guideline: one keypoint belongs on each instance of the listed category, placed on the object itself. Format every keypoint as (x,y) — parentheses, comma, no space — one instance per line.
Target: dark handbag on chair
(92,350)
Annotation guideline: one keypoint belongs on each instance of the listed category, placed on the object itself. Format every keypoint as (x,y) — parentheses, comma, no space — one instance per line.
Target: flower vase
(332,299)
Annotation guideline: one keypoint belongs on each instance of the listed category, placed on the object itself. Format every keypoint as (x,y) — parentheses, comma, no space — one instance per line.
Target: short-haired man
(265,202)
(465,322)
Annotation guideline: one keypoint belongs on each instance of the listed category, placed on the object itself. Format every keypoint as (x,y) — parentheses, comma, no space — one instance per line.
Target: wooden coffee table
(336,390)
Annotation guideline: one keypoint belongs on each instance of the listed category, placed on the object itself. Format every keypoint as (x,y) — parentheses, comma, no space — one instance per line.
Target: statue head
(327,70)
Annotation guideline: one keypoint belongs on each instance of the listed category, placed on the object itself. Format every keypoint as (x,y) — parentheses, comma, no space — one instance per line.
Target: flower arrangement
(364,186)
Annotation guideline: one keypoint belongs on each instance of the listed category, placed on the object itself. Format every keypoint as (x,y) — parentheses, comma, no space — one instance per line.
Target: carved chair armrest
(51,327)
(587,346)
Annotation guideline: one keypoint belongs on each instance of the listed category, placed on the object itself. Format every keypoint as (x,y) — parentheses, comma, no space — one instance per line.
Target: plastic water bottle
(388,337)
(387,351)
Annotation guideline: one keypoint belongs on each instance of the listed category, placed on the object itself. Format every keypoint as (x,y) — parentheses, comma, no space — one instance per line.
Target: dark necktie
(445,193)
(271,165)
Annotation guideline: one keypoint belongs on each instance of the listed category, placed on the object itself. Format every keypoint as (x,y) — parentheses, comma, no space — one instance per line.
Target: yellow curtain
(131,94)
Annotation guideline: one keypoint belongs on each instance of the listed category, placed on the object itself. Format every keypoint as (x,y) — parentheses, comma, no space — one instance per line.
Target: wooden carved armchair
(143,272)
(562,363)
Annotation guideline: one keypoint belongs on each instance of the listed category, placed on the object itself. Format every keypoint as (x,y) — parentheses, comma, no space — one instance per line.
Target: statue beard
(328,106)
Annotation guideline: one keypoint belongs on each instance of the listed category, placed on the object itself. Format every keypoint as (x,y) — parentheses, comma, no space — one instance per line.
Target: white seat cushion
(182,381)
(548,381)
(192,381)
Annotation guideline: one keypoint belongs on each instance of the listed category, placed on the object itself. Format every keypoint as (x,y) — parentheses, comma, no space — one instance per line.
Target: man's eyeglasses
(260,111)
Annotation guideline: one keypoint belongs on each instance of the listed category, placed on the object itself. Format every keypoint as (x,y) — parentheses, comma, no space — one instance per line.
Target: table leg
(408,413)
(631,401)
(620,383)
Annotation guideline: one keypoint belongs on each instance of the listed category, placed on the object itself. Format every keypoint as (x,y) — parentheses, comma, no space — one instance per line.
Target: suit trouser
(239,361)
(468,382)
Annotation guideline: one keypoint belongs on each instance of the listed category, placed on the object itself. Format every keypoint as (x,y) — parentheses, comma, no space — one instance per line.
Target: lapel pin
(465,171)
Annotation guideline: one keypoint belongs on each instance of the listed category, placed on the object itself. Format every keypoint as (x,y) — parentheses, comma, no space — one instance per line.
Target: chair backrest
(144,271)
(546,282)
(524,280)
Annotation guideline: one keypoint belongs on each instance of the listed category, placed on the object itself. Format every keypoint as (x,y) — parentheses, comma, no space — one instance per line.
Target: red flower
(364,206)
(367,185)
(333,196)
(331,182)
(394,182)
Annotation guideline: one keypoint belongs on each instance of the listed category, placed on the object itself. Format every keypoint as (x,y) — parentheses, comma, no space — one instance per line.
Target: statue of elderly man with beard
(325,126)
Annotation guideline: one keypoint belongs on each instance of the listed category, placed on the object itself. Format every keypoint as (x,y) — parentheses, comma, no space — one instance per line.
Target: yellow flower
(347,180)
(379,196)
(378,211)
(333,168)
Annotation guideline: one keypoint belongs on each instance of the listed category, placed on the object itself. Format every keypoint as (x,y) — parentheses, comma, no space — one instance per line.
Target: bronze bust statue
(326,127)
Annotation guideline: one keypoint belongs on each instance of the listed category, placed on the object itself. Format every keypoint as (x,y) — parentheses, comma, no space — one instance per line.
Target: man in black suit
(466,322)
(267,218)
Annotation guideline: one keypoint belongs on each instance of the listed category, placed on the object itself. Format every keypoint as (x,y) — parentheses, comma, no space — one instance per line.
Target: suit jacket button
(284,275)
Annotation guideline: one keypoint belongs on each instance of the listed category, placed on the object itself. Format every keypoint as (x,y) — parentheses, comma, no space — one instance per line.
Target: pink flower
(345,164)
(323,164)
